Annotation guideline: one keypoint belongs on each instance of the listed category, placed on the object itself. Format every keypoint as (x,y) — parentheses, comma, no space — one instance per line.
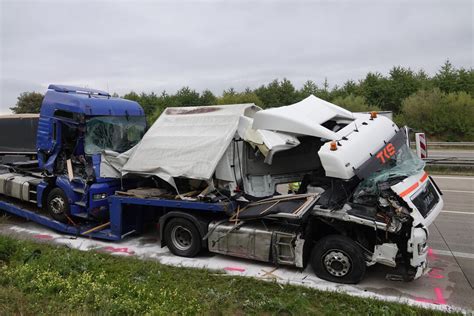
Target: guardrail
(449,162)
(467,144)
(459,145)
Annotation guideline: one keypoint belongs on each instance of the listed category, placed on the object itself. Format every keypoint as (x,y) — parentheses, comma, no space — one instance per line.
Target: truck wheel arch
(317,229)
(337,258)
(43,197)
(198,221)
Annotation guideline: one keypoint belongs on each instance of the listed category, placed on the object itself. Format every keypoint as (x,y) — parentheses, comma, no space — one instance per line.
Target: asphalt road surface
(461,154)
(452,233)
(451,255)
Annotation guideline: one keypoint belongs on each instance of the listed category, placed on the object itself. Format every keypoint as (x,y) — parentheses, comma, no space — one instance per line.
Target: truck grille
(426,200)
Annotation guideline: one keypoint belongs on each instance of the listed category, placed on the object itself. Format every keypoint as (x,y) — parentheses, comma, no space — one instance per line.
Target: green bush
(232,97)
(448,117)
(354,103)
(7,249)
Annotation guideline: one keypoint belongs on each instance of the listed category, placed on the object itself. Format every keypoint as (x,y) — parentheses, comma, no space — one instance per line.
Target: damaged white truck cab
(363,196)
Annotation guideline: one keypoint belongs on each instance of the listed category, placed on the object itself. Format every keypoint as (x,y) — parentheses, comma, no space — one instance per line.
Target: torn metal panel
(225,167)
(342,215)
(288,206)
(299,251)
(385,254)
(289,166)
(268,142)
(305,118)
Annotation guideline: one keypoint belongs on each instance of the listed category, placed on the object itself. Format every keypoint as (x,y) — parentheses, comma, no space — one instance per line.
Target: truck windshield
(117,133)
(402,164)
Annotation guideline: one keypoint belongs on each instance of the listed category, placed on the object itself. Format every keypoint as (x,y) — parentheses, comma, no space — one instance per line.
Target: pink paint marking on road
(439,296)
(440,300)
(435,273)
(431,254)
(234,269)
(43,236)
(118,250)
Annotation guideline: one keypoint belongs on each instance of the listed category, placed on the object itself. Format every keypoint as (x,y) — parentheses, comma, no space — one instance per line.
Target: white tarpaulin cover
(184,142)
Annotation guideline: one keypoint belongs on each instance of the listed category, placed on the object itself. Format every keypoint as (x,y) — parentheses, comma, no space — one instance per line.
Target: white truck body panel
(304,118)
(354,151)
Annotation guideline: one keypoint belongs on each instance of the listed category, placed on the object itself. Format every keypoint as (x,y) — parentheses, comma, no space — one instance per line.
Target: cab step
(79,190)
(80,203)
(81,215)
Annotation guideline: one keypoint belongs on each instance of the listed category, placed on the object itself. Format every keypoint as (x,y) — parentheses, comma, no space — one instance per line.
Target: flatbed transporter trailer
(121,223)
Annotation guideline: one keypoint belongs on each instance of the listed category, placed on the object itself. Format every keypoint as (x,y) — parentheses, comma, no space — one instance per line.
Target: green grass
(448,170)
(38,278)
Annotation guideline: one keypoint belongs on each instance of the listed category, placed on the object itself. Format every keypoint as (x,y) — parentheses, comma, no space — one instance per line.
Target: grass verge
(37,278)
(449,170)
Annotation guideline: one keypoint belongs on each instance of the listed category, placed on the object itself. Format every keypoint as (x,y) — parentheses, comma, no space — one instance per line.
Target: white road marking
(454,253)
(457,212)
(457,191)
(454,178)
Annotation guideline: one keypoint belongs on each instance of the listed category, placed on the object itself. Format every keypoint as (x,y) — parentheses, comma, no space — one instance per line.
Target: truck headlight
(99,196)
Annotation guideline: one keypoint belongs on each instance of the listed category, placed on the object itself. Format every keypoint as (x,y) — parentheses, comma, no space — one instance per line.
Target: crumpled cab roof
(303,118)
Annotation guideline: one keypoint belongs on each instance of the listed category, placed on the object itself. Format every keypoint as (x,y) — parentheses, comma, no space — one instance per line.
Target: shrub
(447,116)
(7,249)
(354,103)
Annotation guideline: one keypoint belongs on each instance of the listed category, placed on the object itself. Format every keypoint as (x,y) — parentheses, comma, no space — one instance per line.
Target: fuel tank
(18,186)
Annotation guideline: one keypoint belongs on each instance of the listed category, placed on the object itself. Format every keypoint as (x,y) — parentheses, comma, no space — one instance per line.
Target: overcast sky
(154,45)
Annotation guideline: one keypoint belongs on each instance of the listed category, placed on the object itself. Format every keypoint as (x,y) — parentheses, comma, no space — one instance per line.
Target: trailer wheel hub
(337,263)
(181,238)
(57,205)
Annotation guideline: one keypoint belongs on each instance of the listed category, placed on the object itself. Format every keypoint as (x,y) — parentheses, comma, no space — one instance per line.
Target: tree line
(441,105)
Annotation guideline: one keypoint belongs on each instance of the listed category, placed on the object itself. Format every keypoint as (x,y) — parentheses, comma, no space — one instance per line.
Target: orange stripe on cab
(424,177)
(409,190)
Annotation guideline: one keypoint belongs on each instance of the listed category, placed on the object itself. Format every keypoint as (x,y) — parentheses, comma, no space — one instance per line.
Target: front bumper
(418,249)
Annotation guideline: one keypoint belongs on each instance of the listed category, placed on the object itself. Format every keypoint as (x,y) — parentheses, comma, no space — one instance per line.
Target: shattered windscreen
(402,164)
(116,133)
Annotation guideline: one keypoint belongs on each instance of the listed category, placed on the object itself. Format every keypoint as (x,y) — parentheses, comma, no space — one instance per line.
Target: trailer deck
(119,225)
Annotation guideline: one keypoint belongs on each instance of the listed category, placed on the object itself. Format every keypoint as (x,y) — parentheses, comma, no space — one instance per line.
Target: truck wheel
(58,205)
(182,237)
(338,258)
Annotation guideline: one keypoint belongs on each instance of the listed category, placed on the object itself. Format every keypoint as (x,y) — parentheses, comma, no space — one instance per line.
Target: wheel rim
(181,238)
(57,205)
(337,263)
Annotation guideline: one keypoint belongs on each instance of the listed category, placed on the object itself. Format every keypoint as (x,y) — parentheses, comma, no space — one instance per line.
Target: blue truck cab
(75,126)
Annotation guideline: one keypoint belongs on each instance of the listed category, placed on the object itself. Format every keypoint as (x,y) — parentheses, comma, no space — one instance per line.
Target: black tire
(338,258)
(58,205)
(182,237)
